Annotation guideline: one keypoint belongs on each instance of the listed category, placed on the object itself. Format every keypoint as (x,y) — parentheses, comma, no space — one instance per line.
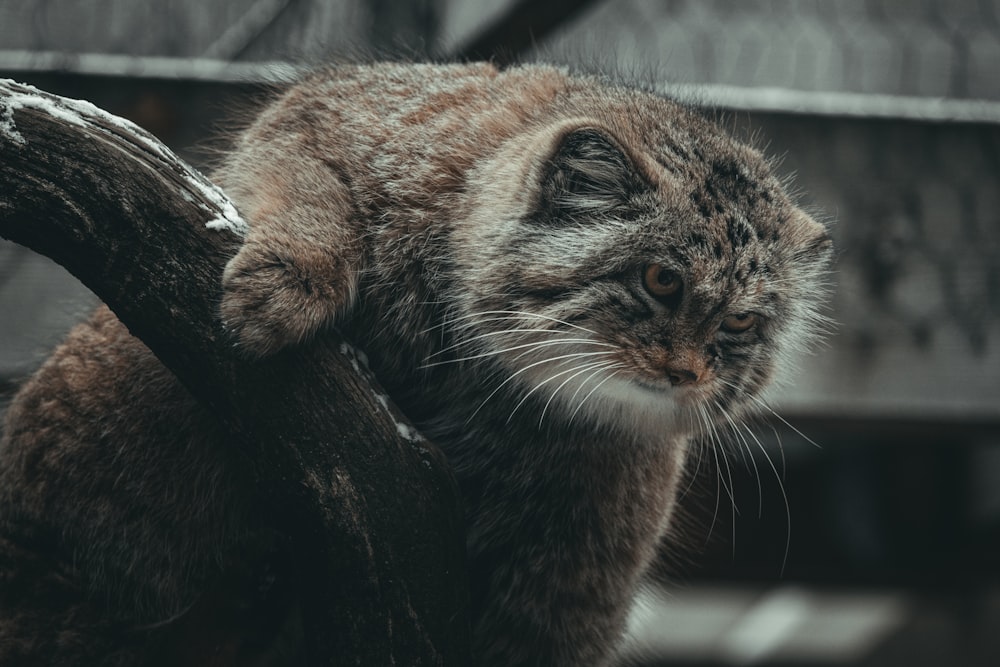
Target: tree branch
(371,510)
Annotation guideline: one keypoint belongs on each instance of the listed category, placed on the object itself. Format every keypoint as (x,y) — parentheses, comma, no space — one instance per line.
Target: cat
(562,280)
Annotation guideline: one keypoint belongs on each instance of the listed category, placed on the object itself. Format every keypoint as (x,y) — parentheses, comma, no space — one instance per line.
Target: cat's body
(558,279)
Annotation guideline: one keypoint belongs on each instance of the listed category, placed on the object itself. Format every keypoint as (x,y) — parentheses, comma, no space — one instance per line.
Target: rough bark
(374,517)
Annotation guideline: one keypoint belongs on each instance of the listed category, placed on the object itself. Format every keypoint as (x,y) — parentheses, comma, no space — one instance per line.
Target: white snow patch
(355,356)
(359,362)
(382,399)
(84,114)
(405,430)
(7,126)
(408,432)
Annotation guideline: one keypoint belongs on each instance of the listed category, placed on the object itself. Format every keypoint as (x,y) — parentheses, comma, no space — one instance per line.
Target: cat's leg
(556,602)
(298,267)
(557,550)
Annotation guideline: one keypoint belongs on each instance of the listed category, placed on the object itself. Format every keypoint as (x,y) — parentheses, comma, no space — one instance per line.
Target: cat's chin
(641,407)
(684,396)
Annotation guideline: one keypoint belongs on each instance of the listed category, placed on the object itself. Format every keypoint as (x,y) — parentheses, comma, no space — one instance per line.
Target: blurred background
(862,526)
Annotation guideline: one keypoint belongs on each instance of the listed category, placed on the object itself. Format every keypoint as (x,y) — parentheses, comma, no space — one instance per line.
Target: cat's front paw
(273,298)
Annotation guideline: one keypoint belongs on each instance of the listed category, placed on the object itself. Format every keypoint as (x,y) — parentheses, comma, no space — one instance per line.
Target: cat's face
(663,282)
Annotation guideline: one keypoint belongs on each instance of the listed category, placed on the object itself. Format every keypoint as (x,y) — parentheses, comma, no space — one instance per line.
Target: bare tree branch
(371,510)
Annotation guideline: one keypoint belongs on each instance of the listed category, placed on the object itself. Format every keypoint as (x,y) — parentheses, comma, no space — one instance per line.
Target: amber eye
(661,282)
(739,322)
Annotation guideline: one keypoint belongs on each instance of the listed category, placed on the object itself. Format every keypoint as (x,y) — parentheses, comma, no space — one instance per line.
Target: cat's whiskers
(743,444)
(580,370)
(580,387)
(525,369)
(770,461)
(720,446)
(490,334)
(600,365)
(466,322)
(530,347)
(781,447)
(693,413)
(504,315)
(718,500)
(763,404)
(717,450)
(784,495)
(527,348)
(591,393)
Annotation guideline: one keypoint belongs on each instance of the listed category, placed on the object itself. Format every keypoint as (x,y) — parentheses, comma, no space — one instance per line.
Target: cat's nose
(679,376)
(685,367)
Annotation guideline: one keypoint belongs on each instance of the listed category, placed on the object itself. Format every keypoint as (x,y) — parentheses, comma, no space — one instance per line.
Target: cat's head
(654,274)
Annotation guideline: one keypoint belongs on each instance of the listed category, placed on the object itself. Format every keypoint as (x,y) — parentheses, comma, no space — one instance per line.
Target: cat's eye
(661,282)
(739,322)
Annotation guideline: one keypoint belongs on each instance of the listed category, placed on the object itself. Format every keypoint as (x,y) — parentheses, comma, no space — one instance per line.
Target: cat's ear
(588,174)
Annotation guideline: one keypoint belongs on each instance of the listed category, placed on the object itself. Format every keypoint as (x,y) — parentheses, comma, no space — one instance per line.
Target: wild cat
(560,279)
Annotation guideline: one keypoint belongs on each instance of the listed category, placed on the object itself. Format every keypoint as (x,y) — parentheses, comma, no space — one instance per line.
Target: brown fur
(483,235)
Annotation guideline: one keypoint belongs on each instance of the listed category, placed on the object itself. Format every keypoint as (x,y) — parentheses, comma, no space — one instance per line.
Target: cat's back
(398,132)
(394,131)
(385,104)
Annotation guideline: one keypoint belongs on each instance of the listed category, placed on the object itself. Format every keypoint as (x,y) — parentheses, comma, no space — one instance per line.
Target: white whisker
(505,332)
(696,409)
(784,497)
(527,347)
(582,385)
(753,461)
(715,444)
(509,314)
(730,491)
(579,371)
(598,386)
(538,386)
(527,368)
(767,407)
(718,494)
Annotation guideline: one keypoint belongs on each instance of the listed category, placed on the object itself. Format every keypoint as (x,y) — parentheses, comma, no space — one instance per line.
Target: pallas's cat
(561,280)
